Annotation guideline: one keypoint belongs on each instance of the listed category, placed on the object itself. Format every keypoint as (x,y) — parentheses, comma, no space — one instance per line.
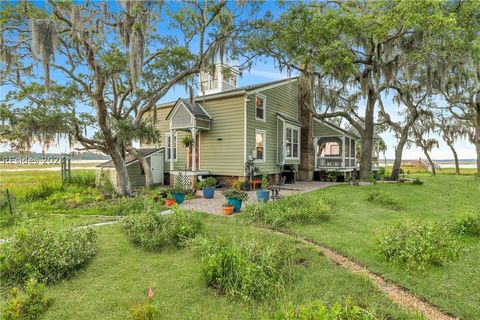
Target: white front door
(156,165)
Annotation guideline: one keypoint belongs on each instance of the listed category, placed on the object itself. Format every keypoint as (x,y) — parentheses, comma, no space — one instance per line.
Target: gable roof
(288,118)
(129,159)
(239,90)
(337,128)
(195,109)
(355,131)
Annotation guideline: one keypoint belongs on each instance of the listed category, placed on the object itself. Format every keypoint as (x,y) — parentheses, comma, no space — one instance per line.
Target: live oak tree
(413,100)
(353,49)
(451,130)
(420,136)
(112,64)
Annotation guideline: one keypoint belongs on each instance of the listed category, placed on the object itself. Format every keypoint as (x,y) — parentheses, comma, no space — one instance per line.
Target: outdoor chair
(276,188)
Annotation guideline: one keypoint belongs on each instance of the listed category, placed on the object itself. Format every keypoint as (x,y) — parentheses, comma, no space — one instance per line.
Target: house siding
(279,99)
(163,126)
(225,156)
(321,130)
(220,157)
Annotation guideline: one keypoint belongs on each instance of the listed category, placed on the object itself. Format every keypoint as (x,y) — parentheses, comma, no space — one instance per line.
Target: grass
(118,277)
(354,231)
(416,170)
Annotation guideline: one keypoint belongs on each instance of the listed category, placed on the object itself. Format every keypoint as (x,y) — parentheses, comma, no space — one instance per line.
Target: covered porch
(192,118)
(335,153)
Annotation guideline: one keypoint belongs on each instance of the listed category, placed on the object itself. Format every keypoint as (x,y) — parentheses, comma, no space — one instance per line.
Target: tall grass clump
(29,303)
(385,199)
(156,232)
(42,190)
(83,178)
(419,245)
(345,310)
(248,270)
(46,254)
(468,225)
(289,210)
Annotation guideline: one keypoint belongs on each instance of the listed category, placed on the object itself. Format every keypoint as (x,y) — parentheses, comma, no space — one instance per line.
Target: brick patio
(213,206)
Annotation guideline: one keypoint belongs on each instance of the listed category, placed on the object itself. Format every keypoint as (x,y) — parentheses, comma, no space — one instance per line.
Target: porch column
(343,151)
(349,156)
(172,136)
(315,157)
(194,149)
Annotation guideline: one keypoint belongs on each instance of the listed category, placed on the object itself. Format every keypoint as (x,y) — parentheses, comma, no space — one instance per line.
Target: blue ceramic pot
(263,195)
(237,204)
(179,197)
(208,192)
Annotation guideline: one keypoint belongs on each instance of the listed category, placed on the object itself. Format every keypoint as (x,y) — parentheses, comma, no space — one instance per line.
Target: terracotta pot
(169,202)
(227,210)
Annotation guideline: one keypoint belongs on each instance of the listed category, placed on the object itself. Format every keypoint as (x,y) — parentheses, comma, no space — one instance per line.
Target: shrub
(156,232)
(417,181)
(41,191)
(235,194)
(106,183)
(469,225)
(418,245)
(83,179)
(28,304)
(45,254)
(249,270)
(289,210)
(385,199)
(207,183)
(318,310)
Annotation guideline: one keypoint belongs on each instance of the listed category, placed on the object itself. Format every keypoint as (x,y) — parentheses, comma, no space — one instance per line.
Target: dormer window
(260,107)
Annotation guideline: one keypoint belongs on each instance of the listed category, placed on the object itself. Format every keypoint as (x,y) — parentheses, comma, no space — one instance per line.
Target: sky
(264,70)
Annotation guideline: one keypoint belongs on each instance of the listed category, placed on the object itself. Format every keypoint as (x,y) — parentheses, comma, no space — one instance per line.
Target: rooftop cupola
(217,79)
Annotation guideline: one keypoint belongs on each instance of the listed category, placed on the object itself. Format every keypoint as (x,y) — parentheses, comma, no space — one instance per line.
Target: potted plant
(227,209)
(163,192)
(332,177)
(208,187)
(187,141)
(235,198)
(179,191)
(263,193)
(169,201)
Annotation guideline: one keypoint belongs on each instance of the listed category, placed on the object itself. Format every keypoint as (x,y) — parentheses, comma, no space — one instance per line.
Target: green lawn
(120,274)
(354,228)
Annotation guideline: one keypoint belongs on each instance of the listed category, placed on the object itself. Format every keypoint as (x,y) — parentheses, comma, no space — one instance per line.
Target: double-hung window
(260,107)
(292,142)
(168,143)
(260,140)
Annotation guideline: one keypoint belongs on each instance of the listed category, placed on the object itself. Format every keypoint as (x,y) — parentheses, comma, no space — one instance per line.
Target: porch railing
(335,162)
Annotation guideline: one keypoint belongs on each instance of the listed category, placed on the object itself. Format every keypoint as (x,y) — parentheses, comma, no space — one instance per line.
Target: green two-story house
(217,132)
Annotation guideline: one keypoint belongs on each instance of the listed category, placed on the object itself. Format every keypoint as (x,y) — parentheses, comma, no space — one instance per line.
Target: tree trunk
(455,157)
(307,161)
(145,166)
(367,139)
(398,157)
(432,164)
(123,181)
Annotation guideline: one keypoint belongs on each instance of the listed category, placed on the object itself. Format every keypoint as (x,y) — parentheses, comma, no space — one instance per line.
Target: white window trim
(264,107)
(167,135)
(264,133)
(289,126)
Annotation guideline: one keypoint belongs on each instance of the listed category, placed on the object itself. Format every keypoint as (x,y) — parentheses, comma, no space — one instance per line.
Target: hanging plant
(187,141)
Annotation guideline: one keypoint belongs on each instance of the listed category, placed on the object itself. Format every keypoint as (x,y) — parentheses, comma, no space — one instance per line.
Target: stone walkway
(214,205)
